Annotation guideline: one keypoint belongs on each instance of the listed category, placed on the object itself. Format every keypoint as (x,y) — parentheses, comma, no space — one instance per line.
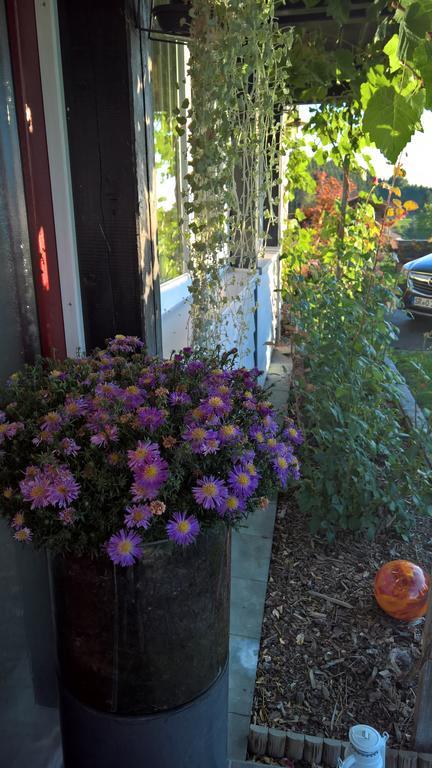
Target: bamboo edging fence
(317,750)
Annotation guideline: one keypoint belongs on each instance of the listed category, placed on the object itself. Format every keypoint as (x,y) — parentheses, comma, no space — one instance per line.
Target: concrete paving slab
(250,556)
(261,522)
(238,731)
(247,606)
(251,553)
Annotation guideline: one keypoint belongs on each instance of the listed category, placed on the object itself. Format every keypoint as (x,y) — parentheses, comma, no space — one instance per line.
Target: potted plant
(131,471)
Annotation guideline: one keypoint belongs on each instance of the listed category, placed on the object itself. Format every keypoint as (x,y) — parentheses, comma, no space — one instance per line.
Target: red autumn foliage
(328,190)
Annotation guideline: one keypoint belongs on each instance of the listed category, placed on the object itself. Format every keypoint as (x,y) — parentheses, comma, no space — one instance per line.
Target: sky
(416,157)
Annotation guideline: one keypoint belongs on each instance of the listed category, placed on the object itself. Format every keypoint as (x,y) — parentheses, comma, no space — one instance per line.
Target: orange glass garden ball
(401,589)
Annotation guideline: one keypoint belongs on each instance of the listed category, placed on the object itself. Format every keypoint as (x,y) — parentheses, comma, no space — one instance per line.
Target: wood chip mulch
(326,664)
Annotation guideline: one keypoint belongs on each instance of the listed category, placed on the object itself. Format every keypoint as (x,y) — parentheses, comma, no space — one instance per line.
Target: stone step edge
(316,750)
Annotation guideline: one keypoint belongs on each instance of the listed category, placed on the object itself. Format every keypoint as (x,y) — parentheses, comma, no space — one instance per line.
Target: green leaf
(391,49)
(391,120)
(423,62)
(416,22)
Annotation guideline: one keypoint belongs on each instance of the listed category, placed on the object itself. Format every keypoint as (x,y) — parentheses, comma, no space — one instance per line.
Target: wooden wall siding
(36,175)
(101,58)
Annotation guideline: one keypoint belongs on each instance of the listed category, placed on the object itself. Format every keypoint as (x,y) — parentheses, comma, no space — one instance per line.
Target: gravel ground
(327,664)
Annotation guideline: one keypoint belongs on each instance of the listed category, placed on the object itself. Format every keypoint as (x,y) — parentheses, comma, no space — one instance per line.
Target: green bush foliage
(363,467)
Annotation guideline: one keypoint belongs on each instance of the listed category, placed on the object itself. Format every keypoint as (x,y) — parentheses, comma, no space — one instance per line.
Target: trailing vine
(239,65)
(245,73)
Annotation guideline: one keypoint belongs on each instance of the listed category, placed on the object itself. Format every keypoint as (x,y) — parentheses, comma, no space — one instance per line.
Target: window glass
(170,150)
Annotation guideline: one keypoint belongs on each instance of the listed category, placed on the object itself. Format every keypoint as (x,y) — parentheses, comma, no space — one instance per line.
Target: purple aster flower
(257,433)
(43,438)
(272,445)
(75,406)
(179,398)
(183,530)
(151,418)
(215,405)
(64,488)
(124,547)
(228,433)
(154,472)
(194,366)
(36,490)
(270,425)
(132,397)
(23,534)
(211,443)
(138,516)
(99,439)
(52,422)
(122,343)
(293,434)
(17,520)
(240,482)
(67,515)
(252,471)
(108,390)
(265,408)
(210,492)
(141,490)
(195,435)
(69,446)
(232,506)
(14,427)
(143,453)
(285,465)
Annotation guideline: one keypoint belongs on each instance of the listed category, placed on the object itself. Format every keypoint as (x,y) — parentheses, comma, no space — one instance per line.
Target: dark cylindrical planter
(140,648)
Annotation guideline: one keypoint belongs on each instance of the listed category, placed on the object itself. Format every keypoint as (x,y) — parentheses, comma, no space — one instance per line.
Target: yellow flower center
(37,491)
(21,535)
(251,469)
(184,526)
(232,502)
(228,430)
(3,428)
(272,442)
(132,390)
(243,478)
(125,547)
(209,489)
(215,401)
(282,462)
(292,432)
(150,472)
(198,433)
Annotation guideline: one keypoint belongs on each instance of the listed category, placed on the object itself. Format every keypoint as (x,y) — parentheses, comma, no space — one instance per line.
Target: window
(170,156)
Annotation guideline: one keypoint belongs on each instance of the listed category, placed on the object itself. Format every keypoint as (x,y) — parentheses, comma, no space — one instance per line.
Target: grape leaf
(391,119)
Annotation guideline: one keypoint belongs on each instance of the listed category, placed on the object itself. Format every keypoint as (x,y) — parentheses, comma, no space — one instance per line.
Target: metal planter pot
(142,645)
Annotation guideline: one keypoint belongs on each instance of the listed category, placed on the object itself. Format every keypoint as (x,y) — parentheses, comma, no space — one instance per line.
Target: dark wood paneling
(99,94)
